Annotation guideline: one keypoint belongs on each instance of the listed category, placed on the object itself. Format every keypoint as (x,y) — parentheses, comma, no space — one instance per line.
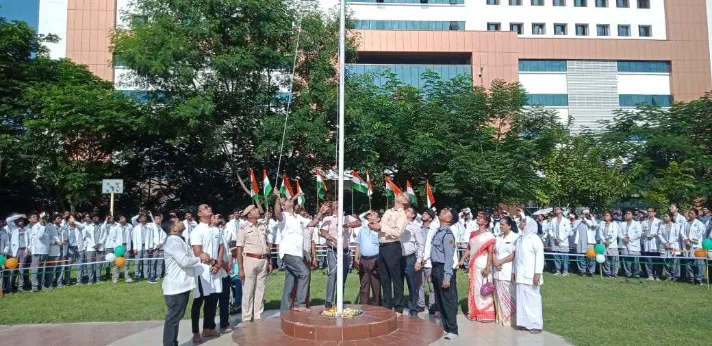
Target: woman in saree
(479,253)
(504,302)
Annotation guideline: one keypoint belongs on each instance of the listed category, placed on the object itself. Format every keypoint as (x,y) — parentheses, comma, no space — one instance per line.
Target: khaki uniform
(253,239)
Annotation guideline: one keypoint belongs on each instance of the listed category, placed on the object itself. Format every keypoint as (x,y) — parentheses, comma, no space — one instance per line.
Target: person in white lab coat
(39,248)
(55,244)
(608,235)
(159,237)
(114,238)
(143,245)
(95,239)
(76,235)
(528,275)
(126,230)
(19,241)
(651,244)
(669,236)
(584,229)
(504,248)
(629,234)
(559,230)
(692,238)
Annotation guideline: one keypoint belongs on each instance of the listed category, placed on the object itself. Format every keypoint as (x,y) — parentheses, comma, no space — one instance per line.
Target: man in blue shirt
(443,274)
(365,259)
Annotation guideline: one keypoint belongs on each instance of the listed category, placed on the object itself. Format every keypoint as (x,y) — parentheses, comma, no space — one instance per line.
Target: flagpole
(340,222)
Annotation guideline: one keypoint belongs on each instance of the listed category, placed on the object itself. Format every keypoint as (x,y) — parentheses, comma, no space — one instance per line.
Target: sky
(27,10)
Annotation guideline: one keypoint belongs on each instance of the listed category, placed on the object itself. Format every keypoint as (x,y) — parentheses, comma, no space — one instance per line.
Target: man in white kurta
(528,269)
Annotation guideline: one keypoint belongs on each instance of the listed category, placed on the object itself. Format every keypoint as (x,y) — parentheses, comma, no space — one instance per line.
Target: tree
(63,128)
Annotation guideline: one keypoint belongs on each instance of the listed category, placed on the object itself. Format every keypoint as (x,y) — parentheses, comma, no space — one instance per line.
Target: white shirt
(180,261)
(189,225)
(292,235)
(143,237)
(503,247)
(529,259)
(209,238)
(273,228)
(560,230)
(38,243)
(651,228)
(609,233)
(669,234)
(633,231)
(95,235)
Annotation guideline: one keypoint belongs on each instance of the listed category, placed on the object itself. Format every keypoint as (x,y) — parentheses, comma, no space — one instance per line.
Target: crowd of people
(218,258)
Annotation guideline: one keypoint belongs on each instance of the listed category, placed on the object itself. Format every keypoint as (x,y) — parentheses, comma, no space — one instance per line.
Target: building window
(517,27)
(601,3)
(624,30)
(548,100)
(628,100)
(537,2)
(603,30)
(493,26)
(559,3)
(408,25)
(456,26)
(644,66)
(515,2)
(581,29)
(643,3)
(623,3)
(492,2)
(580,3)
(538,28)
(542,65)
(645,31)
(559,29)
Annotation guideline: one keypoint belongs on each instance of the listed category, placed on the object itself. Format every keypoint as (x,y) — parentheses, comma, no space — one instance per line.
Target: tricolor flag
(266,186)
(429,195)
(368,181)
(359,185)
(286,188)
(254,189)
(300,200)
(411,193)
(391,188)
(320,186)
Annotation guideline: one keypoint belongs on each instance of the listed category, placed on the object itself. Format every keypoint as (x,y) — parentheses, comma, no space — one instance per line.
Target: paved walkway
(151,333)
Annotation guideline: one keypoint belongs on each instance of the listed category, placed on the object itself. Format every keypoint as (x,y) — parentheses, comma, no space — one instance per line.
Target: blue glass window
(630,100)
(367,24)
(542,65)
(548,100)
(644,66)
(408,73)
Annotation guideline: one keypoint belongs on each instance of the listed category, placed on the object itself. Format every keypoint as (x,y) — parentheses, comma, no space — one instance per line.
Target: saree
(480,308)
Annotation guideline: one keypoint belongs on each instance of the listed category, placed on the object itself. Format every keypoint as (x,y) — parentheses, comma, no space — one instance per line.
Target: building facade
(583,58)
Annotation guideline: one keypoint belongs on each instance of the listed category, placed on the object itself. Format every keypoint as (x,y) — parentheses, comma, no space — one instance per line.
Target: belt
(257,256)
(369,257)
(390,244)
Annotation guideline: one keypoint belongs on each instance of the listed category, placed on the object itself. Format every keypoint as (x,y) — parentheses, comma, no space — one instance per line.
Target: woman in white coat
(608,235)
(504,247)
(179,281)
(528,274)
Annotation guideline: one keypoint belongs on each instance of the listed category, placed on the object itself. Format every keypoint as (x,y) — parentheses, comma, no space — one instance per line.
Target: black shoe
(421,309)
(432,312)
(328,306)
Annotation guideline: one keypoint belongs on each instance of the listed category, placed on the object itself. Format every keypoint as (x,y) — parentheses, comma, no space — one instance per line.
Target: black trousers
(224,302)
(211,304)
(176,303)
(389,269)
(446,299)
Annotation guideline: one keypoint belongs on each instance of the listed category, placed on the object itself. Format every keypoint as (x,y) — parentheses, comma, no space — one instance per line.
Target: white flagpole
(340,222)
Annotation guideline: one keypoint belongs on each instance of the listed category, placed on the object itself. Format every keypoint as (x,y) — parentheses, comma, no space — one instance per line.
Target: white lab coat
(126,235)
(114,236)
(503,247)
(53,233)
(670,236)
(95,235)
(529,259)
(564,230)
(694,231)
(633,231)
(159,235)
(14,232)
(651,230)
(189,225)
(138,239)
(608,233)
(38,243)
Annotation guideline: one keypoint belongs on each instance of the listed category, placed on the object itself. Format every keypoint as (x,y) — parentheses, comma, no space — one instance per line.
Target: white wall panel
(53,20)
(643,84)
(544,83)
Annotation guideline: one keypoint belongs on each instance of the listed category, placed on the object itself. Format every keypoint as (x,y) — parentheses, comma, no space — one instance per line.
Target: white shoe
(129,280)
(557,274)
(565,274)
(650,278)
(450,336)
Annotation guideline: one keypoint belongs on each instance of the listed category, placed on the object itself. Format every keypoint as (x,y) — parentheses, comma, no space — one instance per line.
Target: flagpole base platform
(377,326)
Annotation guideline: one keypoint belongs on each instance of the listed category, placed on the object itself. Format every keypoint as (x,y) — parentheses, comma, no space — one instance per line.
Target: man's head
(572,215)
(251,213)
(466,214)
(57,219)
(205,213)
(540,217)
(651,213)
(34,218)
(628,215)
(287,204)
(94,217)
(674,207)
(558,211)
(142,219)
(410,213)
(608,216)
(445,217)
(158,219)
(428,216)
(692,214)
(189,216)
(705,211)
(177,227)
(373,216)
(122,220)
(402,200)
(109,219)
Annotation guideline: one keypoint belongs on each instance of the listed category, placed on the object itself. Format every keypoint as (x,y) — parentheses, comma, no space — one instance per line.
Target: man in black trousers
(390,252)
(443,275)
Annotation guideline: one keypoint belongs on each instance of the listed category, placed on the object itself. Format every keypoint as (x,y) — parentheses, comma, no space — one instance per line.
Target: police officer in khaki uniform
(253,259)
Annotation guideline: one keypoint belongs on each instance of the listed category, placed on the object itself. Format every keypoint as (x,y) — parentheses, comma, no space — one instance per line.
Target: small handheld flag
(429,197)
(254,189)
(320,185)
(411,193)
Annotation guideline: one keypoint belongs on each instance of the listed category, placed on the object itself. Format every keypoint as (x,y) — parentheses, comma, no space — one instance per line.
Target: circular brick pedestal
(375,322)
(377,326)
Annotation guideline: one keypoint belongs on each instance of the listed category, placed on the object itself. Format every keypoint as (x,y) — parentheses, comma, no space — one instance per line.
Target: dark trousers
(176,304)
(368,274)
(446,299)
(224,303)
(389,268)
(211,304)
(408,267)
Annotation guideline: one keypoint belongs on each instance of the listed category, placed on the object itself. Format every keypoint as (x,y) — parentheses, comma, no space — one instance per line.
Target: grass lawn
(586,311)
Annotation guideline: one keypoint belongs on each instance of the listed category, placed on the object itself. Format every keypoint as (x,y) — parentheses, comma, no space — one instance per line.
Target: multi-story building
(583,58)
